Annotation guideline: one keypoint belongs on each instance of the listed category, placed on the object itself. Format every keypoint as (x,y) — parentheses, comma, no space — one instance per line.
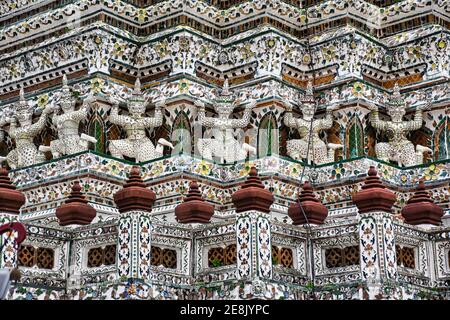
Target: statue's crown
(396,100)
(308,97)
(137,94)
(66,90)
(225,96)
(224,99)
(22,106)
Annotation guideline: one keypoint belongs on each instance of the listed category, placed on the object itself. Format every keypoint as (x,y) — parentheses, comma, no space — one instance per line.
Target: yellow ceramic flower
(357,89)
(432,172)
(119,49)
(42,100)
(246,169)
(204,167)
(142,14)
(97,85)
(161,48)
(183,85)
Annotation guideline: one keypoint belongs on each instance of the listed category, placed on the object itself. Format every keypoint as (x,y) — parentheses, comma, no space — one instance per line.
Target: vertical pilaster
(253,239)
(8,242)
(134,245)
(253,234)
(134,202)
(376,233)
(377,247)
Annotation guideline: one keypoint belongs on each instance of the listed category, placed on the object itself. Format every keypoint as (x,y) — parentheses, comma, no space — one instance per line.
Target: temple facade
(225,149)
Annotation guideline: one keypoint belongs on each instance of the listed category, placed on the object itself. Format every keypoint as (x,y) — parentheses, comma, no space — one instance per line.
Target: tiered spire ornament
(67,123)
(314,210)
(252,195)
(421,209)
(194,209)
(319,152)
(224,145)
(134,195)
(374,196)
(137,145)
(399,148)
(25,153)
(75,210)
(11,200)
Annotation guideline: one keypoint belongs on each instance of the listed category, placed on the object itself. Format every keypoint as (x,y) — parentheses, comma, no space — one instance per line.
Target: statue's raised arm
(289,119)
(245,120)
(204,121)
(157,119)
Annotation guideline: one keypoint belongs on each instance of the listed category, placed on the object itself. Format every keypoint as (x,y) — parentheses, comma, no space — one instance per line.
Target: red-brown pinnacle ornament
(374,196)
(11,200)
(134,195)
(194,209)
(252,195)
(76,209)
(314,210)
(420,209)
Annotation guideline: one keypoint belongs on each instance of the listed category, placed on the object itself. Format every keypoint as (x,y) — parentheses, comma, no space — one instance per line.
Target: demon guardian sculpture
(297,148)
(67,123)
(137,145)
(25,153)
(224,145)
(399,148)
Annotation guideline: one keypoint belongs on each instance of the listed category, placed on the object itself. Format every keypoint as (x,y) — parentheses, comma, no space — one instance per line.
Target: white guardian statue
(224,145)
(67,123)
(398,148)
(319,151)
(137,145)
(23,132)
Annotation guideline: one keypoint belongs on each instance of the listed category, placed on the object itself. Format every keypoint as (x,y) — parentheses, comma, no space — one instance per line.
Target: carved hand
(90,99)
(373,107)
(200,105)
(251,104)
(332,108)
(47,110)
(160,104)
(288,106)
(424,107)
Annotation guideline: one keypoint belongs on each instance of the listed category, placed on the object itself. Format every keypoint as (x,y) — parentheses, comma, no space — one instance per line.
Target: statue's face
(136,108)
(308,111)
(396,113)
(24,118)
(67,105)
(224,110)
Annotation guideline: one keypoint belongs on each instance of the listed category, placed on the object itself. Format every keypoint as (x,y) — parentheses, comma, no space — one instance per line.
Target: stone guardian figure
(224,145)
(137,145)
(25,154)
(67,123)
(398,148)
(319,151)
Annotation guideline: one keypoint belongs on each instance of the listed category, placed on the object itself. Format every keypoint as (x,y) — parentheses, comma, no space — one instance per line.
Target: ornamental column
(253,237)
(134,203)
(12,233)
(376,233)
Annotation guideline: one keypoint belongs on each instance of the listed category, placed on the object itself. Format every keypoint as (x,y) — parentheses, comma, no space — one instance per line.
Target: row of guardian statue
(224,146)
